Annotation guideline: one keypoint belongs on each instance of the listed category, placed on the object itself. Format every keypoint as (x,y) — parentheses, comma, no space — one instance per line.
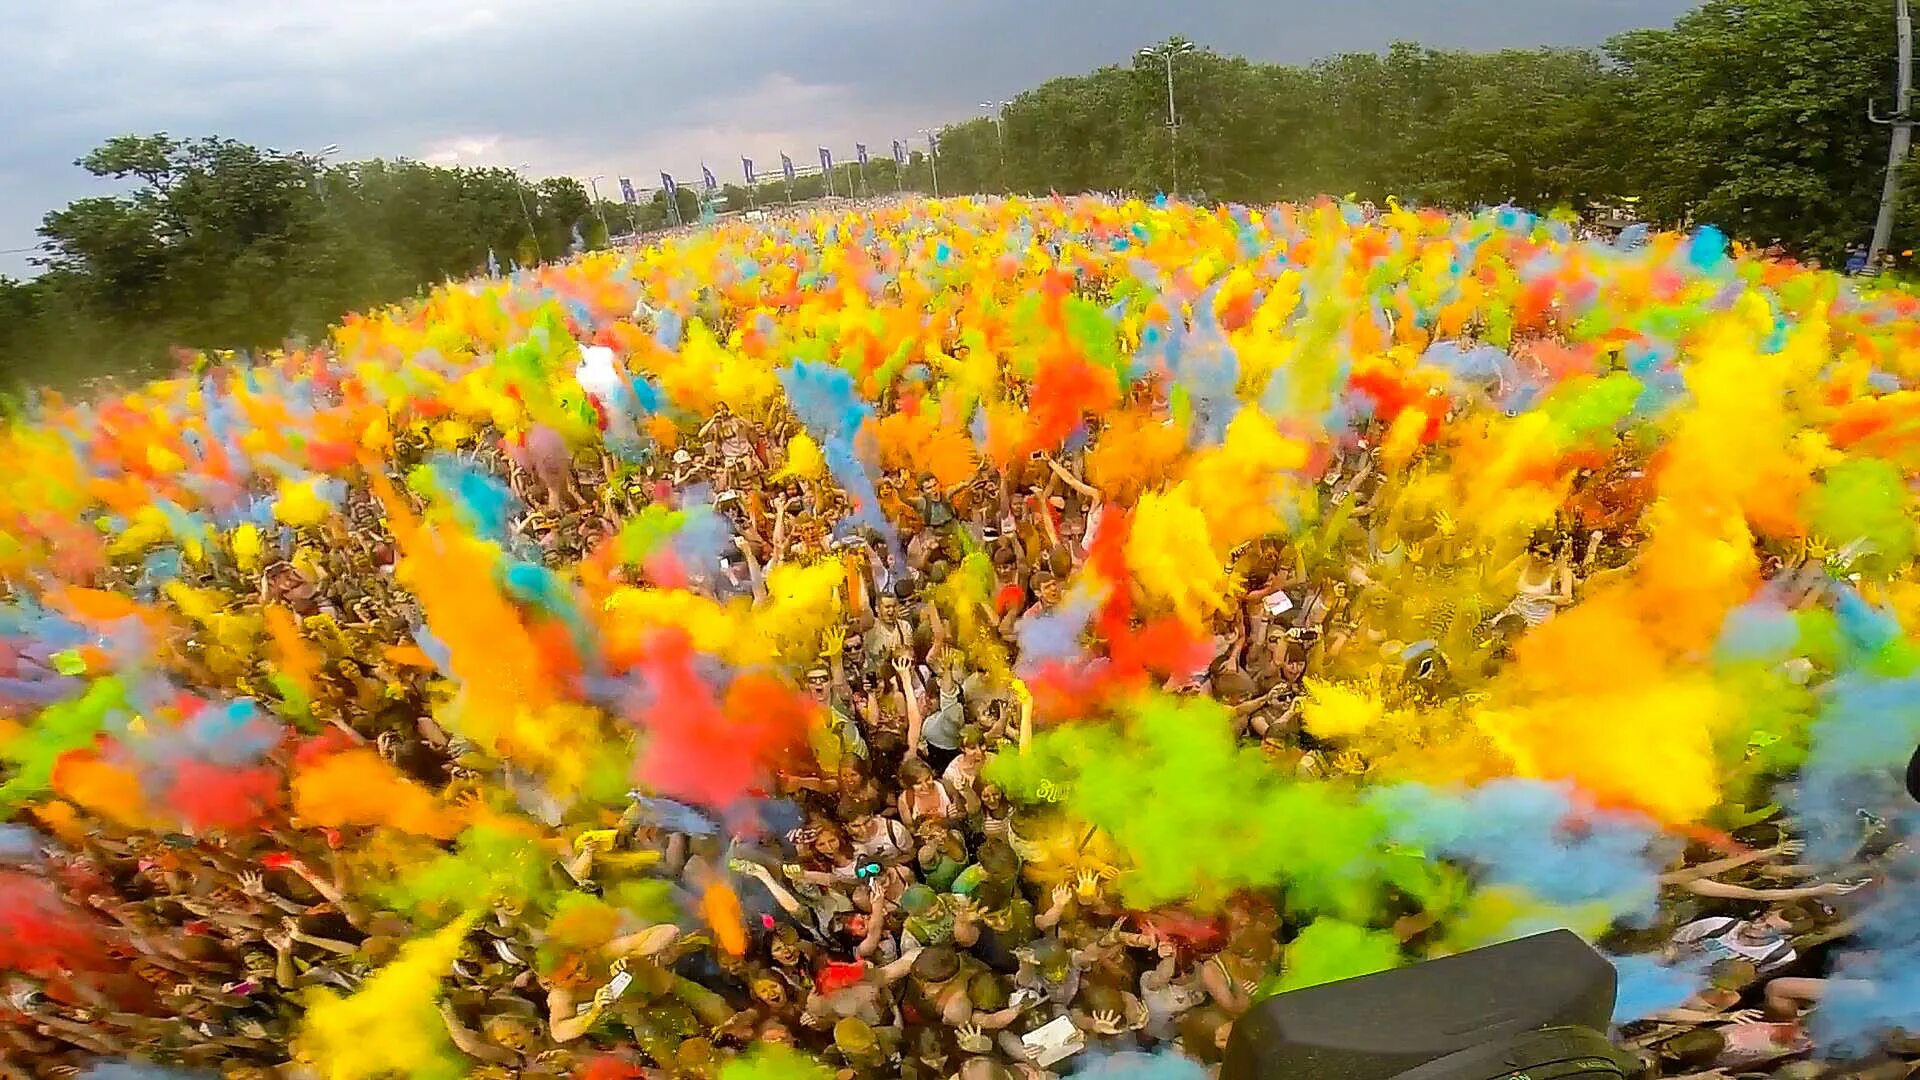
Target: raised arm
(1073,481)
(902,669)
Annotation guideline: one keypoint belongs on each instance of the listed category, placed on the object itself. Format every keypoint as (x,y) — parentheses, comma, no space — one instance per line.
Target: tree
(218,244)
(1750,115)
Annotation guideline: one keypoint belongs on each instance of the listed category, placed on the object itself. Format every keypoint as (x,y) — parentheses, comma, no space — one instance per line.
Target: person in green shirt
(942,856)
(936,919)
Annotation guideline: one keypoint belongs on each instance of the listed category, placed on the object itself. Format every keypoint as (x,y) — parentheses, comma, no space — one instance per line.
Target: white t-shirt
(1717,938)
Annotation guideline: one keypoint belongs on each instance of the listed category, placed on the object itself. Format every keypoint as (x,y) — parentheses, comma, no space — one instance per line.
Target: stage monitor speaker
(1533,1008)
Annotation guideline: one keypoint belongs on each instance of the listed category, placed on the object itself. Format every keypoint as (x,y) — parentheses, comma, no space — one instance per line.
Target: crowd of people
(694,663)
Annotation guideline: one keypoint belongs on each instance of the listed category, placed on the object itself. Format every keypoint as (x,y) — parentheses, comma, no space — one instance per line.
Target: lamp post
(521,190)
(1902,125)
(1166,53)
(933,158)
(996,111)
(316,160)
(593,182)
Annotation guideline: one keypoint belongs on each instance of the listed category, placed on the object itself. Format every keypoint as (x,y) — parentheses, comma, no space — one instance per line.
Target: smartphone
(618,985)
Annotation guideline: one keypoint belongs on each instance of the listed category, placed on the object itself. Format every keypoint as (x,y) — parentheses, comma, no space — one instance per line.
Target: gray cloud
(625,87)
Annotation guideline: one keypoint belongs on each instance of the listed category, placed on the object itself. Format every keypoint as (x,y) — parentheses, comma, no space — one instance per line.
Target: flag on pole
(706,177)
(746,166)
(933,142)
(666,183)
(860,149)
(626,190)
(786,167)
(826,160)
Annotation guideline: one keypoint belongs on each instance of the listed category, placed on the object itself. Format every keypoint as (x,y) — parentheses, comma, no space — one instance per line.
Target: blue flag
(899,152)
(746,166)
(933,141)
(666,182)
(786,167)
(706,177)
(626,190)
(860,149)
(826,160)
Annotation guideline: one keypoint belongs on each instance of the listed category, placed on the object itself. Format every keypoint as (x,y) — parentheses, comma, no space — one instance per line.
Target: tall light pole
(594,183)
(1167,52)
(520,189)
(317,160)
(996,110)
(1902,136)
(933,159)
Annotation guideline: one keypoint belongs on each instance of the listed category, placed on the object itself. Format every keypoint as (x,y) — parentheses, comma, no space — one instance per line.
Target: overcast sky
(625,87)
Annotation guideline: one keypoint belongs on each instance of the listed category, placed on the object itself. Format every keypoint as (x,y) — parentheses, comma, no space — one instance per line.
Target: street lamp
(594,183)
(520,189)
(996,110)
(933,158)
(1902,124)
(313,161)
(1166,53)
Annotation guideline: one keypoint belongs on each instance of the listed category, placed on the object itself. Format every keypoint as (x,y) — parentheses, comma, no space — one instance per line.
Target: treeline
(1750,114)
(222,245)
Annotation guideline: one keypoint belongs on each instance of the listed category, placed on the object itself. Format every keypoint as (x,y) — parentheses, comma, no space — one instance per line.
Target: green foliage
(221,245)
(1751,114)
(1746,113)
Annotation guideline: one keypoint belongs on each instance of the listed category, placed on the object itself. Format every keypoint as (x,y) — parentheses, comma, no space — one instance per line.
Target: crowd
(975,640)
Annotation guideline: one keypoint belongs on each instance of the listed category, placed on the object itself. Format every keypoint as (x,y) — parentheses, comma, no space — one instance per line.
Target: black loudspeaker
(1531,1008)
(1913,775)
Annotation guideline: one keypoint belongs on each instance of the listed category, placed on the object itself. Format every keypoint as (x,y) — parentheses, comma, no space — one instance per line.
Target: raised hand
(1087,883)
(964,909)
